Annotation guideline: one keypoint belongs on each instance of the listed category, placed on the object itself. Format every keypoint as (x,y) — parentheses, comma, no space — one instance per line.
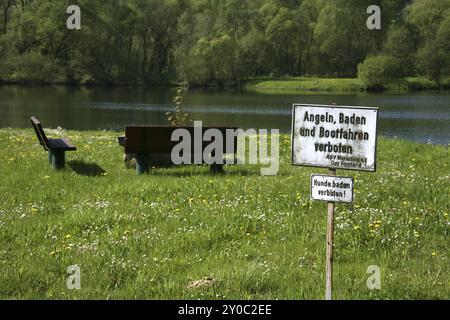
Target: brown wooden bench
(56,147)
(146,142)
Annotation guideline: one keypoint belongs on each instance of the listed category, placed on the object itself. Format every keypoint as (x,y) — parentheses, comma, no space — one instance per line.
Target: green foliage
(431,19)
(220,43)
(209,61)
(35,67)
(378,71)
(179,117)
(254,54)
(401,45)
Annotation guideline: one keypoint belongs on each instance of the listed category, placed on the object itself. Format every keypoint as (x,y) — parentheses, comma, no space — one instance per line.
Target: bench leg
(217,168)
(57,159)
(141,163)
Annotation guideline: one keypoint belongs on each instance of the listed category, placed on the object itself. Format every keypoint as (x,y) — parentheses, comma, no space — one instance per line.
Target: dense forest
(218,42)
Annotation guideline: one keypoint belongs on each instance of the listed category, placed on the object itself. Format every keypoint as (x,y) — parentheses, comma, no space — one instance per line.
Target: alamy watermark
(374,280)
(74,280)
(74,20)
(374,20)
(213,153)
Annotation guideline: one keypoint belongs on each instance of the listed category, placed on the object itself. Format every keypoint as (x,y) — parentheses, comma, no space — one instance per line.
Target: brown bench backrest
(39,132)
(157,139)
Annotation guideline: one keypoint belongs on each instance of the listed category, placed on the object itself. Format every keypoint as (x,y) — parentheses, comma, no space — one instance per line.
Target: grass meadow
(149,237)
(295,85)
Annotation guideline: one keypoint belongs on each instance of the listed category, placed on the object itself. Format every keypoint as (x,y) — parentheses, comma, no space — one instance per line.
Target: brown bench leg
(217,168)
(57,159)
(141,163)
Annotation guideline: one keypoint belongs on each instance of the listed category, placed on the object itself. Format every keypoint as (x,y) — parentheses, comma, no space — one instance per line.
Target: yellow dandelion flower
(434,254)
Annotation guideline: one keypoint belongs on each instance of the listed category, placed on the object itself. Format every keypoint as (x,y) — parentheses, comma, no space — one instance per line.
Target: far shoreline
(268,85)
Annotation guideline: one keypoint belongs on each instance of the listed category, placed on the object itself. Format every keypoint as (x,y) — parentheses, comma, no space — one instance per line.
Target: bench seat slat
(157,139)
(61,144)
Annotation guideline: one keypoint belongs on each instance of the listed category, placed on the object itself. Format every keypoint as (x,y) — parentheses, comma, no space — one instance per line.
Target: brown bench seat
(56,147)
(147,142)
(61,144)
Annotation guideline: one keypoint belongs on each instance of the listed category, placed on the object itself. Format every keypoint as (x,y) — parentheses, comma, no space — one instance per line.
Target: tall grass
(258,237)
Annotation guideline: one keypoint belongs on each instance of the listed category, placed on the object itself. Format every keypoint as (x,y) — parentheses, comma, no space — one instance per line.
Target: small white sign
(334,137)
(331,188)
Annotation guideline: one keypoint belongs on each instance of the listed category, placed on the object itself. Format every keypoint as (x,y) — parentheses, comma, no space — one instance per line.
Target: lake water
(421,117)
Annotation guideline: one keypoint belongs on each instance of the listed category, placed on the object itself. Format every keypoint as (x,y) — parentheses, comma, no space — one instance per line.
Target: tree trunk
(144,58)
(5,20)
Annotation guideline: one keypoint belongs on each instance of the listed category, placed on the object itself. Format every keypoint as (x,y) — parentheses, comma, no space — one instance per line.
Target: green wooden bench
(145,143)
(56,147)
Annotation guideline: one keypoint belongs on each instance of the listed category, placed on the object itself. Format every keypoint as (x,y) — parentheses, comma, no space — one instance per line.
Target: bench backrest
(37,126)
(157,139)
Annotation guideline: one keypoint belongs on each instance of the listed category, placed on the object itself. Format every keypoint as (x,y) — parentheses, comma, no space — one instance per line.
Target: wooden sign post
(333,137)
(330,236)
(332,189)
(329,259)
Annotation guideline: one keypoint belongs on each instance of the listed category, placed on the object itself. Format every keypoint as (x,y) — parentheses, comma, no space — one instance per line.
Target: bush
(376,72)
(36,68)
